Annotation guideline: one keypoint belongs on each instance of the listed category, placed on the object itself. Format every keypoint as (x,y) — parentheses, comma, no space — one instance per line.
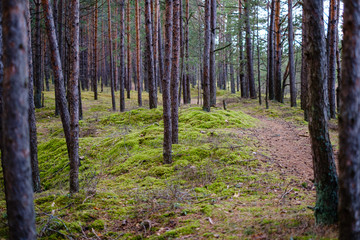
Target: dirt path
(287,145)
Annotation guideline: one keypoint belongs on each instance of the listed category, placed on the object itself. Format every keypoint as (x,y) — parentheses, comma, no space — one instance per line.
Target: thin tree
(323,158)
(206,61)
(38,56)
(212,53)
(137,28)
(15,128)
(32,120)
(241,55)
(150,56)
(291,57)
(128,75)
(304,68)
(174,87)
(167,145)
(69,122)
(95,73)
(271,63)
(277,73)
(249,54)
(122,55)
(112,80)
(332,57)
(349,123)
(258,57)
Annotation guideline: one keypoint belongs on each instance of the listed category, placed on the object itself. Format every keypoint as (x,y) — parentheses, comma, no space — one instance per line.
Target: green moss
(97,225)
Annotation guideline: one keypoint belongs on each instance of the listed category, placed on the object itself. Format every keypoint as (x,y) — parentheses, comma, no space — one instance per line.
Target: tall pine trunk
(112,80)
(212,53)
(349,123)
(137,27)
(15,128)
(277,73)
(332,58)
(323,158)
(206,61)
(95,65)
(291,58)
(249,53)
(129,73)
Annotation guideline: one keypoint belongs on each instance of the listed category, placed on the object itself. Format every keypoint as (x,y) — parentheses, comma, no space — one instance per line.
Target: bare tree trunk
(95,65)
(73,95)
(137,27)
(241,55)
(349,123)
(258,57)
(122,56)
(304,70)
(128,75)
(291,58)
(277,73)
(167,146)
(206,61)
(212,53)
(150,56)
(323,158)
(174,87)
(271,58)
(38,57)
(15,128)
(112,80)
(332,58)
(232,79)
(32,120)
(249,55)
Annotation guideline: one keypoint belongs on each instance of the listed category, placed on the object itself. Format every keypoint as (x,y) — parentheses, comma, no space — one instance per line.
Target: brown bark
(137,27)
(249,53)
(241,55)
(174,87)
(304,70)
(206,60)
(212,53)
(271,63)
(95,65)
(291,57)
(187,74)
(122,56)
(166,82)
(32,120)
(112,80)
(15,129)
(128,75)
(277,73)
(323,158)
(349,123)
(150,56)
(38,57)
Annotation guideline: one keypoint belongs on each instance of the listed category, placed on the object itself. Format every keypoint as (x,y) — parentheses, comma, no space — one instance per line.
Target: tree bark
(277,73)
(232,79)
(32,120)
(349,123)
(271,63)
(112,80)
(174,87)
(167,146)
(304,69)
(212,53)
(15,128)
(291,58)
(137,27)
(95,65)
(150,56)
(129,74)
(122,55)
(249,55)
(206,61)
(241,55)
(38,57)
(323,159)
(332,58)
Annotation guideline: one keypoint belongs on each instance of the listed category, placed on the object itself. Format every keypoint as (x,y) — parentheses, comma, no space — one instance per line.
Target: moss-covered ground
(216,186)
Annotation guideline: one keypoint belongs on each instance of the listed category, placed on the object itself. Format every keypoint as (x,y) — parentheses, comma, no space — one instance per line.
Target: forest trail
(286,145)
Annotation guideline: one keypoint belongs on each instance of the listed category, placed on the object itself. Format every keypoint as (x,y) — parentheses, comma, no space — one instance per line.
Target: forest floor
(241,173)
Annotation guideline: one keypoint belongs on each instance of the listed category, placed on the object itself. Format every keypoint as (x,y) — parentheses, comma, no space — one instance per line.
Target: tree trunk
(166,83)
(304,69)
(271,58)
(349,123)
(95,65)
(73,95)
(38,57)
(249,55)
(212,53)
(137,27)
(15,128)
(206,61)
(291,58)
(332,58)
(112,80)
(323,159)
(150,56)
(258,57)
(232,79)
(32,120)
(277,80)
(122,56)
(241,55)
(174,88)
(187,74)
(128,75)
